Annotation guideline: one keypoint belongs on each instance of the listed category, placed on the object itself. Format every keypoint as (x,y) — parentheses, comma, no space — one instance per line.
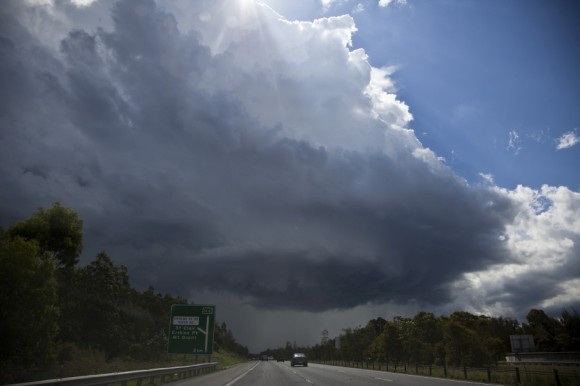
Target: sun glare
(244,4)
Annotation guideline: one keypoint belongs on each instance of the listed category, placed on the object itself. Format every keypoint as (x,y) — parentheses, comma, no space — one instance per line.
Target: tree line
(460,339)
(50,307)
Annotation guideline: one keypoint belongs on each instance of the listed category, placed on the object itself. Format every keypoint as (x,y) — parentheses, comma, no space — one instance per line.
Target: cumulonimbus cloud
(254,155)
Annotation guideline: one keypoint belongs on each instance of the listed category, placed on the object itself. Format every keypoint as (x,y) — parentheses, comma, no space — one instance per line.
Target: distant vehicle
(264,357)
(299,359)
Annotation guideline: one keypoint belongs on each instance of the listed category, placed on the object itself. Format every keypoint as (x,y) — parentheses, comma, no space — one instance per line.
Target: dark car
(299,359)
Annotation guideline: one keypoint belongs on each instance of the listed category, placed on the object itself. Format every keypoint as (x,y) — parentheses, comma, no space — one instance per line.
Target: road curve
(269,373)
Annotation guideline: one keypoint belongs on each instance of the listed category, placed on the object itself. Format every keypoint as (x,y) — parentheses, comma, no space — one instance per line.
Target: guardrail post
(518,380)
(416,368)
(445,370)
(557,378)
(489,374)
(465,371)
(430,370)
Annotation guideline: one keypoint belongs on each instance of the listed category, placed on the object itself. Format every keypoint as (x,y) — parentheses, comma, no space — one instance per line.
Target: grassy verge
(522,374)
(91,363)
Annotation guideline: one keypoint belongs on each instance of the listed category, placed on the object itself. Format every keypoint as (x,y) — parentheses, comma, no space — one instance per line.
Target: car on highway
(299,359)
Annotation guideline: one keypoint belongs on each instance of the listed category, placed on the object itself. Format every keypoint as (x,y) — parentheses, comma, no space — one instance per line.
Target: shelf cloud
(215,146)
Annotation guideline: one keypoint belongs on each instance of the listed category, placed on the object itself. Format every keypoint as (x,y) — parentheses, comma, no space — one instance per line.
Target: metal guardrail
(124,377)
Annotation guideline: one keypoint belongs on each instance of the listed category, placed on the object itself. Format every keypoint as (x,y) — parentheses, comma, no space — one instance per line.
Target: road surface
(272,373)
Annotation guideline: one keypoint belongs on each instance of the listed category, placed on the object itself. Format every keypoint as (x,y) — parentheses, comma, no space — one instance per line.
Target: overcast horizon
(305,165)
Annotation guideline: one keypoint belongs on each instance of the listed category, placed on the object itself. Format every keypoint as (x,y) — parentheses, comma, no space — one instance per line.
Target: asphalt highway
(272,373)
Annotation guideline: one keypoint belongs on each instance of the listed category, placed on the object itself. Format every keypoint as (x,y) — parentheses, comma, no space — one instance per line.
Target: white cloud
(386,3)
(514,142)
(311,80)
(386,107)
(569,292)
(82,3)
(358,8)
(568,140)
(40,2)
(543,242)
(488,178)
(543,231)
(78,3)
(327,3)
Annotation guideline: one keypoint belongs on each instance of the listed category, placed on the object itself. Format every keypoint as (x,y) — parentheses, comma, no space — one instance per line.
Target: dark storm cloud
(193,193)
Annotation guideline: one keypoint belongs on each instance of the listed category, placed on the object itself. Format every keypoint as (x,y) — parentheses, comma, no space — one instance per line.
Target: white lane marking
(241,376)
(384,379)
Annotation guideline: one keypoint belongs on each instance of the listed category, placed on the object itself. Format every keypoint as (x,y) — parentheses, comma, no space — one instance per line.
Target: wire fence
(536,374)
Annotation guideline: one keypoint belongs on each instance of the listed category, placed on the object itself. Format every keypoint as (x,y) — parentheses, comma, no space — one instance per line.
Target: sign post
(191,329)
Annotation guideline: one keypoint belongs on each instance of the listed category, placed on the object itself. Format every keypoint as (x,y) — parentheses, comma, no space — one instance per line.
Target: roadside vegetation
(458,340)
(60,319)
(460,346)
(87,362)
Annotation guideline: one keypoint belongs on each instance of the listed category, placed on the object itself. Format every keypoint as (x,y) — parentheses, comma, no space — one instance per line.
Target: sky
(305,165)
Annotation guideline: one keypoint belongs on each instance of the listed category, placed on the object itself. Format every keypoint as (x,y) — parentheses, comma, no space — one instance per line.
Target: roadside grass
(568,375)
(223,358)
(503,374)
(227,359)
(86,362)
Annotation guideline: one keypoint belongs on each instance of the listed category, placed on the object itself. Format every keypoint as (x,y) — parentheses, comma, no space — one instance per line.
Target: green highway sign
(191,329)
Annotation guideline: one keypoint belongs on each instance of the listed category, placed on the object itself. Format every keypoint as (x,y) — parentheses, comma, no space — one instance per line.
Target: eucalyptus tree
(29,309)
